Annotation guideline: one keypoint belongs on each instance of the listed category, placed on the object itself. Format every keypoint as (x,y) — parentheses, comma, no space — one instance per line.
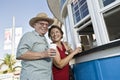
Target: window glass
(87,36)
(80,10)
(84,10)
(112,21)
(104,3)
(107,2)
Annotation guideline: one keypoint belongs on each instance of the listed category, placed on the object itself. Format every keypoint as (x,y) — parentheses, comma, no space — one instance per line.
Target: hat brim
(35,19)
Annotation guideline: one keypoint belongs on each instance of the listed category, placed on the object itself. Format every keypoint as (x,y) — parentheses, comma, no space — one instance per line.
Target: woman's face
(56,35)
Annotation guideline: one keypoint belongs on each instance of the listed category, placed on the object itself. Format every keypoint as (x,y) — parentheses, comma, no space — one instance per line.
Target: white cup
(53,46)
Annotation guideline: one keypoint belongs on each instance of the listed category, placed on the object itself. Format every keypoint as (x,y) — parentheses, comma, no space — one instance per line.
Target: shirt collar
(37,34)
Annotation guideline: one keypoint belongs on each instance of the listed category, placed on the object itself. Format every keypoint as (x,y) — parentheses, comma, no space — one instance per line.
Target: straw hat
(40,17)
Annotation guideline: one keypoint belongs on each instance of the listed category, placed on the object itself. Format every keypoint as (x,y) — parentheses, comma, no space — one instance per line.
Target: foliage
(9,60)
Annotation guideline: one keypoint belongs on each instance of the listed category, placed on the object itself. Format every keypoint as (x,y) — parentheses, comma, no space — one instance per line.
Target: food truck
(95,24)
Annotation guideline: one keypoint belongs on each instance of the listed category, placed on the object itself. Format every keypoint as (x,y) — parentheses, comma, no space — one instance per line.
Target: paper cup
(53,46)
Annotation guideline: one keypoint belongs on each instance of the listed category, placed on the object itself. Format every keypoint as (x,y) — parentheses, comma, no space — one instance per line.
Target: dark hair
(54,26)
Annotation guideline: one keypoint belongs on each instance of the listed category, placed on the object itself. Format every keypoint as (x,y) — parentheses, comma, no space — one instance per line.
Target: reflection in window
(80,10)
(84,10)
(112,21)
(87,37)
(107,2)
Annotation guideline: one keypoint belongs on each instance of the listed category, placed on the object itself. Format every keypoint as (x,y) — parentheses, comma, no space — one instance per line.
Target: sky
(23,11)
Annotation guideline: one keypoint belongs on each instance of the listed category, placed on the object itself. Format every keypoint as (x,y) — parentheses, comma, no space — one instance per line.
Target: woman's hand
(77,50)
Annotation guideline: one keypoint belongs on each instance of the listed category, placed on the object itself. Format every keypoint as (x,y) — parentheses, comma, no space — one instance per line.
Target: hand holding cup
(79,46)
(52,50)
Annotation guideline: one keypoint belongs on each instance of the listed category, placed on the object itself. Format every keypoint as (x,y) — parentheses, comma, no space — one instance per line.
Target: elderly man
(33,50)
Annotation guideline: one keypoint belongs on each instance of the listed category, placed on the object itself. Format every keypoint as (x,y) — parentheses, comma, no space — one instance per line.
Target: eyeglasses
(42,24)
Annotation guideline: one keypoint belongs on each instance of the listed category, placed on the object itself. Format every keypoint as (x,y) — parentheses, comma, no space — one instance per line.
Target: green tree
(9,60)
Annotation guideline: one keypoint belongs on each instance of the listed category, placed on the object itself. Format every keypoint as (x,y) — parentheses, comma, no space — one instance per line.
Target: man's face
(41,27)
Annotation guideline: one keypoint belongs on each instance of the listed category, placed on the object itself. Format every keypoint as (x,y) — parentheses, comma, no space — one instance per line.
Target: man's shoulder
(28,34)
